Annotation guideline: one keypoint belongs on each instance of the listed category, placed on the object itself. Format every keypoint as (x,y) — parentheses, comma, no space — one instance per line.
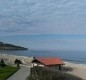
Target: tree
(2,63)
(18,62)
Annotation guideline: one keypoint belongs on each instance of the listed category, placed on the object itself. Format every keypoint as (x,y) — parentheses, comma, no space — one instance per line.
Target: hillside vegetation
(5,46)
(41,73)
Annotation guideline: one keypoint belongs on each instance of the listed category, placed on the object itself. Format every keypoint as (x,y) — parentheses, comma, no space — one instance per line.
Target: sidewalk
(21,74)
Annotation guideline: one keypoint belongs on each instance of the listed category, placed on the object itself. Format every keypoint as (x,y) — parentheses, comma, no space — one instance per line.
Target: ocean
(72,56)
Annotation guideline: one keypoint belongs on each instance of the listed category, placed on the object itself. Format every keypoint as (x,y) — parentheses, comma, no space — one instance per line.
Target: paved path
(21,74)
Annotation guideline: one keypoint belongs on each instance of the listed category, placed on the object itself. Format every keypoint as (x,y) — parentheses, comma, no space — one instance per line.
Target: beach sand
(9,59)
(78,69)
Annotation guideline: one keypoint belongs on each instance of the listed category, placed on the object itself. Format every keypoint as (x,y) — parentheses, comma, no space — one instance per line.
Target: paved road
(21,74)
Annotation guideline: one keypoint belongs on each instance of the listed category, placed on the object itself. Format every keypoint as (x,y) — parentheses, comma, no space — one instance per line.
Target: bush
(41,73)
(2,63)
(17,61)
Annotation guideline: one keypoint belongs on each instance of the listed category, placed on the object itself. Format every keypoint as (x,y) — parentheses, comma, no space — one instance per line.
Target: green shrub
(2,63)
(41,73)
(18,62)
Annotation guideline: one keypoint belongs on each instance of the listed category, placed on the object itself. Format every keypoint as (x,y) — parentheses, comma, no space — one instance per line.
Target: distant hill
(6,46)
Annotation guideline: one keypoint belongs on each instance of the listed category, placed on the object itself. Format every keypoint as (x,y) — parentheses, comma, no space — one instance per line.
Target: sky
(44,24)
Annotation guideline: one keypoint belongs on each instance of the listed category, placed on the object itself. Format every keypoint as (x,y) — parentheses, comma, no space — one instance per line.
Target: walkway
(21,74)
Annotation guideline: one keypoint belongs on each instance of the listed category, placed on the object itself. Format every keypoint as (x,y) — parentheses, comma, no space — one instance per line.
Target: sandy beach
(9,59)
(78,69)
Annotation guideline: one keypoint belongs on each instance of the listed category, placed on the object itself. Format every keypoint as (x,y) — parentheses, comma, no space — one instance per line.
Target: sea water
(72,56)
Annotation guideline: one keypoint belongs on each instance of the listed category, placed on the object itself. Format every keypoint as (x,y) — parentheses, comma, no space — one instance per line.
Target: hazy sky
(44,24)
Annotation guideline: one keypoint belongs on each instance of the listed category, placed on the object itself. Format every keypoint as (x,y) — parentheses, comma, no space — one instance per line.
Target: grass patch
(7,71)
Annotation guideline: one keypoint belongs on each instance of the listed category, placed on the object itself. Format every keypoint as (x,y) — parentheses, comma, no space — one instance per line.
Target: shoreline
(68,62)
(74,61)
(78,69)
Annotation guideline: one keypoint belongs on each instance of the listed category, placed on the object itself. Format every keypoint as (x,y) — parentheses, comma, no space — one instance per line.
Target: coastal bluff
(6,46)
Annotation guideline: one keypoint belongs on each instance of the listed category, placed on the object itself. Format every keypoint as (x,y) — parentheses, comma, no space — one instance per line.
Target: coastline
(78,69)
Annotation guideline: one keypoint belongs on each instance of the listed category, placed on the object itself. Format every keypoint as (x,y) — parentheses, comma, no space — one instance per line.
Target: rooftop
(49,61)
